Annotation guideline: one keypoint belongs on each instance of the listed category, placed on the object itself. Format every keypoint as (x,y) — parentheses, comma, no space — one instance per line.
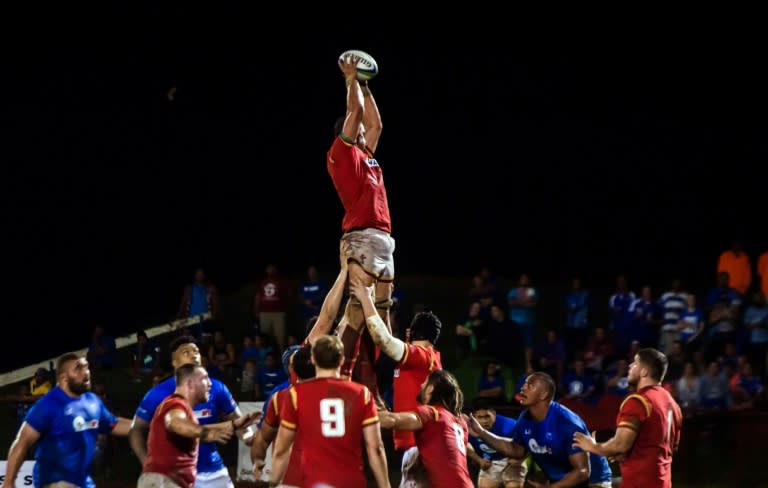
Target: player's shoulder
(52,399)
(219,387)
(567,417)
(636,400)
(561,411)
(505,422)
(161,390)
(90,396)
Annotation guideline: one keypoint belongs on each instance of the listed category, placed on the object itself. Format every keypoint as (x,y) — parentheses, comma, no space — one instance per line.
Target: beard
(79,388)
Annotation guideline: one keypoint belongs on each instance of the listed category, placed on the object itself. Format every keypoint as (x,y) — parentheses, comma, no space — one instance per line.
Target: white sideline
(122,341)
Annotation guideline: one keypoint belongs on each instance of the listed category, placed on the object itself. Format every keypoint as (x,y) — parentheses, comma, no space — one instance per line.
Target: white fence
(28,371)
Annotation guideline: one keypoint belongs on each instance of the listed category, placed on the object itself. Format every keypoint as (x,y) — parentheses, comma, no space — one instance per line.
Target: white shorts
(214,479)
(414,474)
(155,480)
(506,471)
(373,250)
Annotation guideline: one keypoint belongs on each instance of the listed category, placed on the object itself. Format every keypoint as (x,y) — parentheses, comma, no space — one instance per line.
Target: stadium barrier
(27,372)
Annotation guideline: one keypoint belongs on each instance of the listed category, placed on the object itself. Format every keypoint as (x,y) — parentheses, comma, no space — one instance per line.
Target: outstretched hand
(473,426)
(258,466)
(345,252)
(359,290)
(583,441)
(220,436)
(247,420)
(348,66)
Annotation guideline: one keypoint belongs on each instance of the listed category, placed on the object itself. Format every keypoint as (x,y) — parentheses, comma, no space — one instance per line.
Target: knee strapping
(384,304)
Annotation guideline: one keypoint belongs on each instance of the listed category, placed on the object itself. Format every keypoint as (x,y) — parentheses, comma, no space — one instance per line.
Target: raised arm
(371,118)
(355,107)
(330,309)
(391,345)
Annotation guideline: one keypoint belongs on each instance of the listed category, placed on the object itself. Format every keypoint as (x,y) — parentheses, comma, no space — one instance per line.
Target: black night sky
(570,160)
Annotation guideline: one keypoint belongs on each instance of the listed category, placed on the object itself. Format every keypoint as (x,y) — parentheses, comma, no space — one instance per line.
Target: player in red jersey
(366,226)
(333,417)
(175,433)
(648,426)
(441,433)
(415,360)
(299,367)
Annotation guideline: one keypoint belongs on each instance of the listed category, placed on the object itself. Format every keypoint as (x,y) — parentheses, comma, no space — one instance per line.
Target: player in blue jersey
(211,471)
(496,470)
(545,430)
(64,423)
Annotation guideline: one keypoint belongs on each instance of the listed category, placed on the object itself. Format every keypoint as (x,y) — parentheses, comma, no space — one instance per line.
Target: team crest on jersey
(79,424)
(371,162)
(486,448)
(203,414)
(396,374)
(536,448)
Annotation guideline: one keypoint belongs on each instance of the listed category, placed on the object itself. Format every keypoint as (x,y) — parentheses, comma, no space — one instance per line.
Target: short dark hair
(328,351)
(184,372)
(287,356)
(549,383)
(64,359)
(481,403)
(180,341)
(655,361)
(425,326)
(301,361)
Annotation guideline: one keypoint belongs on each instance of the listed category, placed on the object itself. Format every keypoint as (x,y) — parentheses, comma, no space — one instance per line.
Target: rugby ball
(367,67)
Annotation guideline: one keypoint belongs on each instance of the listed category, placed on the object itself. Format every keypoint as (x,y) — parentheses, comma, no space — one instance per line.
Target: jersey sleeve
(633,407)
(568,427)
(150,402)
(427,414)
(107,420)
(507,426)
(516,434)
(370,414)
(416,358)
(41,415)
(272,410)
(340,151)
(222,398)
(289,417)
